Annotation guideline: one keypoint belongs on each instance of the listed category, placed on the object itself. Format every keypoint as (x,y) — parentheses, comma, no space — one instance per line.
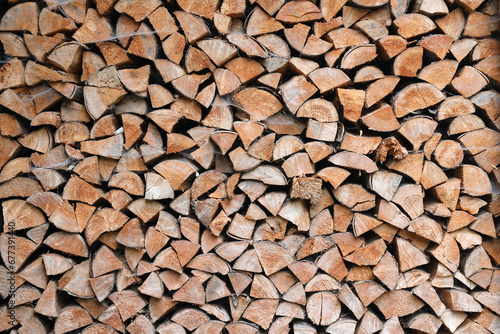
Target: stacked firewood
(233,166)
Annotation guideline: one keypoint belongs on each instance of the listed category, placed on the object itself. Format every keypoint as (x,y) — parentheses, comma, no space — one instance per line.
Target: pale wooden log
(425,322)
(355,197)
(427,293)
(40,140)
(198,125)
(351,15)
(331,262)
(128,303)
(24,107)
(455,106)
(255,310)
(14,168)
(345,37)
(369,254)
(111,317)
(480,22)
(460,49)
(384,183)
(387,271)
(50,303)
(468,173)
(349,299)
(67,56)
(14,46)
(94,22)
(13,74)
(379,89)
(485,48)
(364,223)
(298,12)
(470,326)
(460,301)
(382,118)
(21,17)
(104,220)
(410,198)
(368,291)
(141,324)
(415,97)
(76,281)
(431,8)
(447,252)
(259,22)
(162,22)
(11,127)
(317,150)
(296,91)
(390,46)
(297,36)
(327,79)
(323,308)
(306,188)
(409,256)
(390,213)
(138,11)
(412,25)
(66,319)
(487,319)
(441,277)
(343,325)
(387,305)
(30,323)
(418,134)
(99,100)
(257,103)
(216,311)
(319,109)
(360,144)
(274,44)
(452,24)
(374,29)
(315,46)
(470,204)
(332,56)
(436,45)
(190,318)
(358,56)
(408,62)
(263,287)
(19,187)
(476,260)
(297,65)
(222,23)
(370,323)
(488,299)
(35,274)
(448,154)
(466,74)
(46,201)
(484,224)
(439,73)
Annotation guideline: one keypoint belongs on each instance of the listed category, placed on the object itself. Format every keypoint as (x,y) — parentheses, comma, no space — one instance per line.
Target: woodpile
(260,166)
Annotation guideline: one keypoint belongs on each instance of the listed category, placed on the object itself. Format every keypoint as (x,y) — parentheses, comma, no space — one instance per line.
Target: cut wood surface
(249,166)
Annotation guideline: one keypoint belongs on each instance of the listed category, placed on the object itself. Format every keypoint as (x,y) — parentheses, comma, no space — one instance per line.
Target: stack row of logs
(250,166)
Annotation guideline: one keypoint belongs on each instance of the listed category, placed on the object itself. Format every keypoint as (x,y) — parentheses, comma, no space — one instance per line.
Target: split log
(392,105)
(415,97)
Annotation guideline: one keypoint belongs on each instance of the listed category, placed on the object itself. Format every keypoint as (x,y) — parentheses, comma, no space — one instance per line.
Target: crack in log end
(263,166)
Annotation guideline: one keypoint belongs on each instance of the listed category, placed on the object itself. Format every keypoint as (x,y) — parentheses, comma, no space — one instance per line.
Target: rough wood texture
(249,166)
